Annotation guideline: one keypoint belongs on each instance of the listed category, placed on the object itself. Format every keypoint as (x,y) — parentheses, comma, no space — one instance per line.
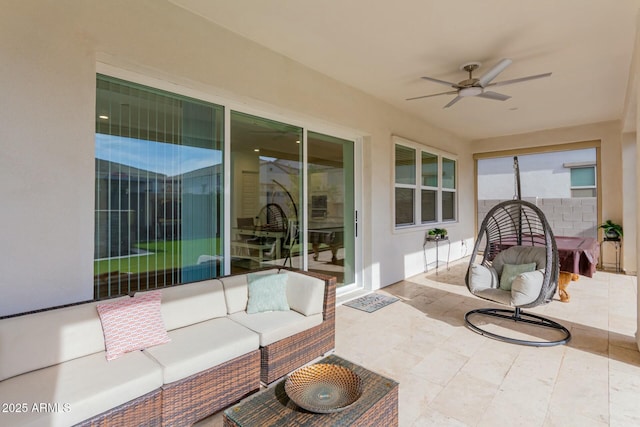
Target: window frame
(419,186)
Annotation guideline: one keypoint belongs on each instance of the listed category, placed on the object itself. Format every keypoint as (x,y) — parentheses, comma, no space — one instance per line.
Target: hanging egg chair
(518,268)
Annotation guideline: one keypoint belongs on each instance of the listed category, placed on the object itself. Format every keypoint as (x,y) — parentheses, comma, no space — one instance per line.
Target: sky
(158,157)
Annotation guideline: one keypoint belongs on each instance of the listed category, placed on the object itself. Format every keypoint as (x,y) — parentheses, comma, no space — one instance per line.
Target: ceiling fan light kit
(476,86)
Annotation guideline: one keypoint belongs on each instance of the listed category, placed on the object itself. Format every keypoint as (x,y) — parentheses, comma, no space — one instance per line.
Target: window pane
(158,190)
(448,173)
(429,170)
(429,206)
(583,177)
(404,206)
(583,192)
(448,206)
(266,188)
(405,165)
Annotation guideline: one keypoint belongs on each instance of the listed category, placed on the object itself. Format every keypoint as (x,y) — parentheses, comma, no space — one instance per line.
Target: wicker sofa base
(189,400)
(143,411)
(282,357)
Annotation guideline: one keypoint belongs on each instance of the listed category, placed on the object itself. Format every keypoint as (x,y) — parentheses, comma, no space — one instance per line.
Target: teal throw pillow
(511,271)
(267,292)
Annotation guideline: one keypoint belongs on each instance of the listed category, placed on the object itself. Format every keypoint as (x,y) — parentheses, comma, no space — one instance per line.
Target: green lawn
(162,255)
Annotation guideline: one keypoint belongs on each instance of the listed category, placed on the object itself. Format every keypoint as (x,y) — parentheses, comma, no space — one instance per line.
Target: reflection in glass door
(331,216)
(266,164)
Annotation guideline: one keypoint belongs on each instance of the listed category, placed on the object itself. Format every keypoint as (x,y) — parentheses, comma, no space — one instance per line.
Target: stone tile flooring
(451,376)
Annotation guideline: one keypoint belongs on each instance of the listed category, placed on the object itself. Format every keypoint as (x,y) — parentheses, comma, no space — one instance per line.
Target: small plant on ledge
(612,231)
(437,233)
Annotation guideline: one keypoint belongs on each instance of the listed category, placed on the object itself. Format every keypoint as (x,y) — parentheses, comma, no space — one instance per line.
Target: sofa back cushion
(236,290)
(43,339)
(191,303)
(305,293)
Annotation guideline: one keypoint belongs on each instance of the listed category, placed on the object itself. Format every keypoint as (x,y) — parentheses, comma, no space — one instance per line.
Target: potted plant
(438,233)
(612,231)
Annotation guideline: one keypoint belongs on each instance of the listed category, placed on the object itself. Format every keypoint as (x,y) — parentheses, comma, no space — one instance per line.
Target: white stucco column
(637,224)
(637,204)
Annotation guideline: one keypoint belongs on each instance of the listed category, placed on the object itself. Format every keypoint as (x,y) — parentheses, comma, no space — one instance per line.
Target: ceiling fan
(476,87)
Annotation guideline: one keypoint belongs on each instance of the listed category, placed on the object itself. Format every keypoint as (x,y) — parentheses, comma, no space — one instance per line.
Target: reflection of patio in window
(158,188)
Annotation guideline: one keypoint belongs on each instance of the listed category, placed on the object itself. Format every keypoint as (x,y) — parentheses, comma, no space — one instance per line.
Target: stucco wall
(541,175)
(50,52)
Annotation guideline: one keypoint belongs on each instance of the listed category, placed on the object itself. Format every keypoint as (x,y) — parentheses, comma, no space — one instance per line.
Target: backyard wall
(574,217)
(50,53)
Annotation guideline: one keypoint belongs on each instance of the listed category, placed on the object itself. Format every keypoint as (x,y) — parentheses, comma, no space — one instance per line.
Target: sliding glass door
(266,192)
(165,213)
(331,214)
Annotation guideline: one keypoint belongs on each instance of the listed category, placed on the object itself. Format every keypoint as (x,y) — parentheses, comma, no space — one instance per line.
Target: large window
(158,189)
(425,185)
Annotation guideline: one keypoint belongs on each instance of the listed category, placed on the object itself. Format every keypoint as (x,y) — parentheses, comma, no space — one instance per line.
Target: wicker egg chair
(519,268)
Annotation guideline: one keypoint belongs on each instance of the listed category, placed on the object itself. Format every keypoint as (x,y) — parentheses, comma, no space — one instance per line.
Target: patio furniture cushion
(267,292)
(521,255)
(481,277)
(511,271)
(236,290)
(273,326)
(526,287)
(183,305)
(88,385)
(495,294)
(304,293)
(202,346)
(132,324)
(47,338)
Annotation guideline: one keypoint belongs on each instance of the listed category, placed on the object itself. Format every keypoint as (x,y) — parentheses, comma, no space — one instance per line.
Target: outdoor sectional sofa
(54,369)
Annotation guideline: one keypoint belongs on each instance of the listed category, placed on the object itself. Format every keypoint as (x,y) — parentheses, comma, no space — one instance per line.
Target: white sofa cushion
(236,290)
(201,346)
(273,326)
(304,293)
(191,303)
(38,340)
(88,386)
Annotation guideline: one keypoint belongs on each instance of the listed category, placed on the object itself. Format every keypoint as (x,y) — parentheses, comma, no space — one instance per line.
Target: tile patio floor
(451,376)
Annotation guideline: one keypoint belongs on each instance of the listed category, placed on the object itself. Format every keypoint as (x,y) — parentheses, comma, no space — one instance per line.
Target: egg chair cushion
(482,277)
(526,287)
(521,255)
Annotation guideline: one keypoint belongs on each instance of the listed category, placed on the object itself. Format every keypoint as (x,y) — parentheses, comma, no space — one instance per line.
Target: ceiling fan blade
(521,79)
(442,82)
(493,72)
(452,92)
(453,101)
(494,95)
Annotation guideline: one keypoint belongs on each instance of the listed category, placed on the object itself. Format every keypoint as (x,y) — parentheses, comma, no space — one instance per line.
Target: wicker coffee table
(378,405)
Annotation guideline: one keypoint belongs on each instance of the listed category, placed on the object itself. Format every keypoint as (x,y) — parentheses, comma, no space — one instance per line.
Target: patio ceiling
(383,48)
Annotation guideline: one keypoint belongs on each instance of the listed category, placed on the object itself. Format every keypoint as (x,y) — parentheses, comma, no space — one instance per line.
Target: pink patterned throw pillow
(132,324)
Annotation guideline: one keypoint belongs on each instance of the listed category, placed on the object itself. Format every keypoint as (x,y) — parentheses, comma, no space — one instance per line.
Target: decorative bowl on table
(323,388)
